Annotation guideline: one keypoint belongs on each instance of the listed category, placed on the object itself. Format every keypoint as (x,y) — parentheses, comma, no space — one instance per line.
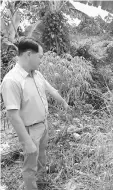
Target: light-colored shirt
(25,93)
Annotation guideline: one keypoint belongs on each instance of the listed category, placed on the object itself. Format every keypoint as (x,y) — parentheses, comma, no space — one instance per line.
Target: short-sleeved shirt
(25,93)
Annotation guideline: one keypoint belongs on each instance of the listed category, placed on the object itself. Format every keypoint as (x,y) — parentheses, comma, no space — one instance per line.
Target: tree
(55,35)
(51,28)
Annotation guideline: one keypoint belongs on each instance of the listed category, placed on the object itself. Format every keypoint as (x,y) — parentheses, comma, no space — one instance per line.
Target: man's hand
(56,95)
(66,106)
(29,147)
(24,138)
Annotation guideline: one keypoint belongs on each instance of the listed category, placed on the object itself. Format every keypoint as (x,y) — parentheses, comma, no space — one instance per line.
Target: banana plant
(10,20)
(56,6)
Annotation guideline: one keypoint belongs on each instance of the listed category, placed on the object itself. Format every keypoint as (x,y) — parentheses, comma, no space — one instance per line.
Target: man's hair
(27,44)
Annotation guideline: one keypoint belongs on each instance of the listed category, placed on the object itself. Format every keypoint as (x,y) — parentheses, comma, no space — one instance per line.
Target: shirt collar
(22,71)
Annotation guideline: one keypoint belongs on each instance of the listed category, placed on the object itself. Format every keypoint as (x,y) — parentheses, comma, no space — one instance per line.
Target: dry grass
(88,163)
(82,164)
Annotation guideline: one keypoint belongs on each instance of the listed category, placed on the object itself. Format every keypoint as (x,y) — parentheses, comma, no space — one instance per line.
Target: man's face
(35,58)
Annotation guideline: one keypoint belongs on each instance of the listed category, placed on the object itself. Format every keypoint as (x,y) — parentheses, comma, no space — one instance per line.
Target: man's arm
(11,93)
(21,131)
(55,94)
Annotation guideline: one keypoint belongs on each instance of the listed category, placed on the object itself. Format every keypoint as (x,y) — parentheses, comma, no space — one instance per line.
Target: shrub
(73,51)
(109,52)
(89,26)
(71,78)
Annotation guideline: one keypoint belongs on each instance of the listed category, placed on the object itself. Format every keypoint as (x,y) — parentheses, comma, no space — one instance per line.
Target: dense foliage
(96,26)
(8,59)
(55,35)
(72,77)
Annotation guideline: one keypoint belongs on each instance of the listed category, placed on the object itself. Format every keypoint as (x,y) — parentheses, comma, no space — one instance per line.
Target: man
(24,93)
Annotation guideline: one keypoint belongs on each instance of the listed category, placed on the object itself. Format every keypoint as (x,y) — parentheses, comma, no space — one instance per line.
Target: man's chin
(37,68)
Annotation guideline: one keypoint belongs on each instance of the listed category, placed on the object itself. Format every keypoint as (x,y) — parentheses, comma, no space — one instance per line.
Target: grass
(82,164)
(88,163)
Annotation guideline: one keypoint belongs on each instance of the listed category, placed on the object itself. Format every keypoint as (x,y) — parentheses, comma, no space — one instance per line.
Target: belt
(36,124)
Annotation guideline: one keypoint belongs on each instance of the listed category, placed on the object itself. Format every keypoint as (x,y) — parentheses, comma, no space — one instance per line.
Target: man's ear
(27,54)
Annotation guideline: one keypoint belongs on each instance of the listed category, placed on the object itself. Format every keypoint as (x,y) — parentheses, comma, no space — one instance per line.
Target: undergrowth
(72,77)
(84,163)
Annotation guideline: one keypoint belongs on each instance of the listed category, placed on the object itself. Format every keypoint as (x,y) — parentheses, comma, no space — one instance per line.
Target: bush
(109,52)
(75,81)
(89,26)
(70,76)
(96,26)
(73,51)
